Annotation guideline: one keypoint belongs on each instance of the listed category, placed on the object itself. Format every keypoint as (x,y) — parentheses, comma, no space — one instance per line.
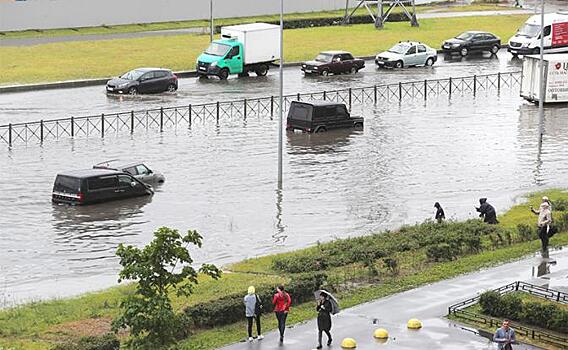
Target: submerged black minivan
(320,116)
(95,186)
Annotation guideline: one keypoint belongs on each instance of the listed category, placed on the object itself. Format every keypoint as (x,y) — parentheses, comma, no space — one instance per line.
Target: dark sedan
(143,81)
(472,41)
(333,62)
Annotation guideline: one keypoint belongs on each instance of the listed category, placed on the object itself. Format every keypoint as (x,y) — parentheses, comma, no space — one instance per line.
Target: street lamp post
(542,86)
(281,98)
(210,20)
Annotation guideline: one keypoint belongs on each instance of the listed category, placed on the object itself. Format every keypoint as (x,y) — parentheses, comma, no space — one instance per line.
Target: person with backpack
(282,302)
(253,309)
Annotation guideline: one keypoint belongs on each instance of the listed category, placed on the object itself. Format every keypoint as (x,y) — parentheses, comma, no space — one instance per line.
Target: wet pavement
(429,304)
(63,103)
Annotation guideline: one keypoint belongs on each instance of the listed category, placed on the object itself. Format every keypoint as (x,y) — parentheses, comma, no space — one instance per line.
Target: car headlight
(526,44)
(303,66)
(455,45)
(213,64)
(123,85)
(315,68)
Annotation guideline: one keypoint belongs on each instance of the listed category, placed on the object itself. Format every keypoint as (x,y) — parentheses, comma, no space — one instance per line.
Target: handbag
(552,230)
(257,306)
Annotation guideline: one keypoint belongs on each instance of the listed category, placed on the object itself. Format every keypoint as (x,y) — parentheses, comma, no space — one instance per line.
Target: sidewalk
(202,30)
(429,304)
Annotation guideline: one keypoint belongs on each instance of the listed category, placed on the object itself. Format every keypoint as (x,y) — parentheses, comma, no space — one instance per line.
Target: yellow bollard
(414,323)
(349,343)
(381,333)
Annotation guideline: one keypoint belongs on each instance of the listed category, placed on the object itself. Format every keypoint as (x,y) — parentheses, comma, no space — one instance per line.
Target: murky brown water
(222,182)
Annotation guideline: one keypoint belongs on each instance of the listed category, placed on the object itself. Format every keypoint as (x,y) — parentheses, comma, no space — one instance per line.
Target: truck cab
(241,49)
(527,39)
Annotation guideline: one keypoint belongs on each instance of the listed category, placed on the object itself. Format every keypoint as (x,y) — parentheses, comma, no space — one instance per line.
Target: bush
(560,205)
(441,252)
(526,232)
(489,302)
(104,342)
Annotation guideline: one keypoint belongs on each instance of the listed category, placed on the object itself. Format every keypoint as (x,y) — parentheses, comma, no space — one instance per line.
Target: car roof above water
(319,103)
(116,164)
(88,173)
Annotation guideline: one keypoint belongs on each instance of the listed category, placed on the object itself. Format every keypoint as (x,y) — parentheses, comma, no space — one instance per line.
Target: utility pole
(281,98)
(210,20)
(542,86)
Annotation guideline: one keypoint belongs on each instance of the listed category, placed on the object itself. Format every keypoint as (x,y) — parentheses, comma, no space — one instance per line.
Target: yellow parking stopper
(349,343)
(381,333)
(414,323)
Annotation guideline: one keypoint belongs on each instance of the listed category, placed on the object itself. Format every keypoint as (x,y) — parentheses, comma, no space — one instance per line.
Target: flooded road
(222,182)
(64,103)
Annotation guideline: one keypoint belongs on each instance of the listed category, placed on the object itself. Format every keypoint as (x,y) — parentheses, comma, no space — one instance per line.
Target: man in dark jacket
(440,215)
(487,212)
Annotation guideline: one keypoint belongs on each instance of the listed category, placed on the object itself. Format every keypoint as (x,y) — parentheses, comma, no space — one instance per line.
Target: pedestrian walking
(253,309)
(544,221)
(505,336)
(487,212)
(324,309)
(282,302)
(440,215)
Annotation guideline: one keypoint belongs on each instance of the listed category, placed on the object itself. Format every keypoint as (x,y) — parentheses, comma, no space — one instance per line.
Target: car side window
(478,37)
(124,180)
(336,58)
(131,171)
(346,57)
(103,182)
(234,52)
(147,76)
(547,30)
(411,51)
(489,37)
(341,112)
(421,48)
(160,74)
(141,169)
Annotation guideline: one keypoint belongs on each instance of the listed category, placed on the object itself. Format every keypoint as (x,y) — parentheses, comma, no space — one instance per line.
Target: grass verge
(104,58)
(40,325)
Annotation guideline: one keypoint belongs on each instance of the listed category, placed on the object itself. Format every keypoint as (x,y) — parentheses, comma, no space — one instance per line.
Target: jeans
(281,317)
(249,321)
(320,334)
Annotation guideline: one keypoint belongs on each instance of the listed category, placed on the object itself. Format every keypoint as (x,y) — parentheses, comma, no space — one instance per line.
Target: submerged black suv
(319,116)
(95,186)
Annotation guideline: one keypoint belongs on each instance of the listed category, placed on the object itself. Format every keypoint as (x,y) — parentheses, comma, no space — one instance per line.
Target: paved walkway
(429,304)
(92,37)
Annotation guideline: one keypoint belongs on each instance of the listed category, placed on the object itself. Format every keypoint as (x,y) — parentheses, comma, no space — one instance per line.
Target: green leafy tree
(161,268)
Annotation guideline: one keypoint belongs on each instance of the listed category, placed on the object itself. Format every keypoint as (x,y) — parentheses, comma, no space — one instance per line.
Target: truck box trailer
(242,49)
(555,78)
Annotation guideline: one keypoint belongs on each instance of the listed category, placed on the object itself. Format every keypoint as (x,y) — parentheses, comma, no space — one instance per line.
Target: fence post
(425,89)
(72,127)
(399,91)
(499,82)
(217,112)
(474,85)
(131,122)
(161,119)
(375,94)
(298,96)
(272,106)
(324,95)
(245,109)
(103,125)
(350,99)
(517,286)
(41,131)
(450,89)
(189,115)
(10,134)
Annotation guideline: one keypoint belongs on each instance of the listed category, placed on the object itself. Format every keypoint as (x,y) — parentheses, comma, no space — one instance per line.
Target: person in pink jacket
(282,302)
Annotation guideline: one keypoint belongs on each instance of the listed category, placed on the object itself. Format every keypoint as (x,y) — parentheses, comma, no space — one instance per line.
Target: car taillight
(175,77)
(81,196)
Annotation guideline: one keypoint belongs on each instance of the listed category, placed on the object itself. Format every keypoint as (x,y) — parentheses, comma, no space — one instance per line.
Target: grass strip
(105,58)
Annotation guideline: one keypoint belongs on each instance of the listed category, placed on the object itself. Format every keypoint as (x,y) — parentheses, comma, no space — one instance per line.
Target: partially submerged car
(143,80)
(406,54)
(137,169)
(91,186)
(333,62)
(320,116)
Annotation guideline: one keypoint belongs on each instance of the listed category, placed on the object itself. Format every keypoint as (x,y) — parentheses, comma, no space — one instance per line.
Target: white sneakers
(260,337)
(251,338)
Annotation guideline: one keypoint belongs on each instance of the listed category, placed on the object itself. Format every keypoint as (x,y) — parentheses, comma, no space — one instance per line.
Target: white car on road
(406,54)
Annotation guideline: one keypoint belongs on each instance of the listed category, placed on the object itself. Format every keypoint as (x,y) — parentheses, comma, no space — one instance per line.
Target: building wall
(49,14)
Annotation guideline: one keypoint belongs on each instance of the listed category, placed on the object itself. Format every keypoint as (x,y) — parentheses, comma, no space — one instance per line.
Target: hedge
(511,306)
(104,342)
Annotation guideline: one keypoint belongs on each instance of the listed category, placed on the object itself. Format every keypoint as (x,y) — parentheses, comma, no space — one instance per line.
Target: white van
(527,39)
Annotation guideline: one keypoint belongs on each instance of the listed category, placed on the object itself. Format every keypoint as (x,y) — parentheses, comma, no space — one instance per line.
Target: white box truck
(527,39)
(242,49)
(555,78)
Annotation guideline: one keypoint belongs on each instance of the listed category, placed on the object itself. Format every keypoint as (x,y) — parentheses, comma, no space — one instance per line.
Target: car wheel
(133,91)
(399,64)
(353,70)
(261,71)
(172,88)
(358,125)
(320,129)
(536,50)
(495,48)
(224,74)
(464,51)
(429,62)
(325,72)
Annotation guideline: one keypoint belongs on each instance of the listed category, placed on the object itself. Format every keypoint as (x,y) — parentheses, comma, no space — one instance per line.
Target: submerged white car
(406,54)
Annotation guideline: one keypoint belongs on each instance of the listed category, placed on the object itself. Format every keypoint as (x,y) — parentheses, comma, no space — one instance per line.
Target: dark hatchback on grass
(143,81)
(333,62)
(320,116)
(472,41)
(95,186)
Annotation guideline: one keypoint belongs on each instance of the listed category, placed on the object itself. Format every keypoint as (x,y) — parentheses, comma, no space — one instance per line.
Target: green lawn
(40,325)
(97,59)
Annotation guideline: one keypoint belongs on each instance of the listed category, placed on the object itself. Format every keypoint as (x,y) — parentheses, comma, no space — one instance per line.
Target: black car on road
(333,62)
(96,185)
(320,116)
(471,41)
(143,81)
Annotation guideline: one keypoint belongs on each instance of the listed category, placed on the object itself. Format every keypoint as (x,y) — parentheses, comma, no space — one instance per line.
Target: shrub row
(103,342)
(230,308)
(444,241)
(511,306)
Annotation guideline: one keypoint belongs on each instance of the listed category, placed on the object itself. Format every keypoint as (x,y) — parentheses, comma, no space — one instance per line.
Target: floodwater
(222,182)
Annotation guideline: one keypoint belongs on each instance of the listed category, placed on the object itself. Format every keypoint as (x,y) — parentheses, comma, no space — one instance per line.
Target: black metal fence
(538,334)
(185,116)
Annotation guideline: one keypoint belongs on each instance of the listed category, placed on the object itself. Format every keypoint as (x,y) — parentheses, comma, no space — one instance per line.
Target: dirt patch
(82,328)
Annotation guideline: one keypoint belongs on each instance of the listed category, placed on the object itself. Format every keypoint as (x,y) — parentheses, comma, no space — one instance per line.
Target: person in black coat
(324,318)
(440,215)
(487,212)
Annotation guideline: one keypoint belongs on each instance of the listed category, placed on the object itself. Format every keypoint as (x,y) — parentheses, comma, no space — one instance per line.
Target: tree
(160,268)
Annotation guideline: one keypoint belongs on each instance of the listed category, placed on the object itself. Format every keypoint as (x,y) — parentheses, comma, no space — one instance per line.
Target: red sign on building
(560,34)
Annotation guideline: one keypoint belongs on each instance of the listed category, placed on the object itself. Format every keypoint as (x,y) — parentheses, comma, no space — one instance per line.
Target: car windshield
(529,30)
(324,57)
(465,36)
(133,74)
(399,48)
(216,49)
